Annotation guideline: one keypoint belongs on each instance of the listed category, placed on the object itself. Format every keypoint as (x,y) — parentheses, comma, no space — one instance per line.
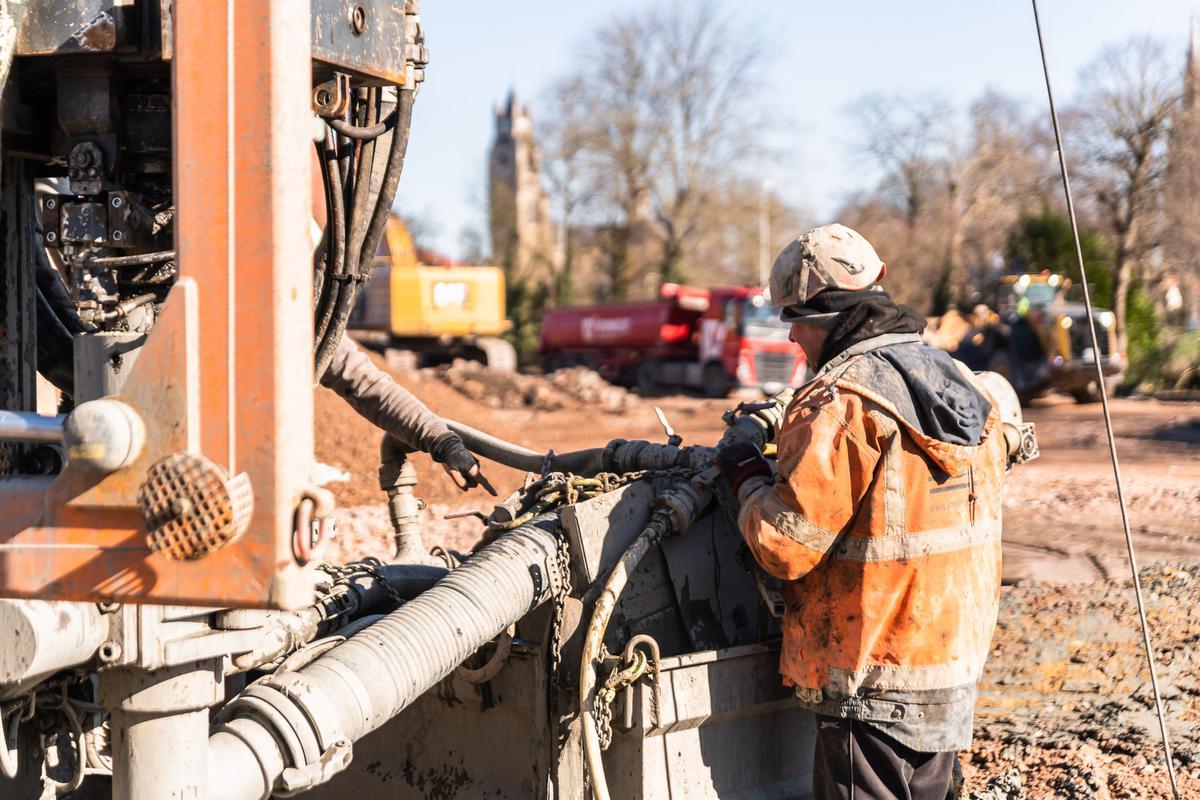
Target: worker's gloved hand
(453,455)
(740,461)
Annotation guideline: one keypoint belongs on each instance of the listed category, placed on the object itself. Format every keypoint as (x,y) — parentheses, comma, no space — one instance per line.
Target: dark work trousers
(857,762)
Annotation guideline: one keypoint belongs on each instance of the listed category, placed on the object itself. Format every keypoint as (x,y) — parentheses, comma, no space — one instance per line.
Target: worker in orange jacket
(883,521)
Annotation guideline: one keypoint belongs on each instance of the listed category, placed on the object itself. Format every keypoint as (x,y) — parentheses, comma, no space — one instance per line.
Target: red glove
(740,461)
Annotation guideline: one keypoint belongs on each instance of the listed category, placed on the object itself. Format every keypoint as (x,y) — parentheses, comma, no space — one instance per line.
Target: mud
(1065,699)
(575,388)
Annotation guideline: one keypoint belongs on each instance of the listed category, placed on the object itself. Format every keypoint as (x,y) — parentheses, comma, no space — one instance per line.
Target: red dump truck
(713,340)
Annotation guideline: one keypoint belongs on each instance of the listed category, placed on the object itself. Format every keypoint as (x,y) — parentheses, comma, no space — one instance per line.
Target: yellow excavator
(430,314)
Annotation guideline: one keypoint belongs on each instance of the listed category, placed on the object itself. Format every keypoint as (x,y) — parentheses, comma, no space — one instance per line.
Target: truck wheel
(646,378)
(402,360)
(715,382)
(1091,392)
(498,354)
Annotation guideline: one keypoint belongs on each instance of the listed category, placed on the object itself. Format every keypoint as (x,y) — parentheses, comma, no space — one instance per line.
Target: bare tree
(566,144)
(1124,121)
(954,189)
(709,71)
(991,174)
(906,138)
(662,109)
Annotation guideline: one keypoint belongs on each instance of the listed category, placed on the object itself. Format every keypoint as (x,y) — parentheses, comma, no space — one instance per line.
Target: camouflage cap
(828,257)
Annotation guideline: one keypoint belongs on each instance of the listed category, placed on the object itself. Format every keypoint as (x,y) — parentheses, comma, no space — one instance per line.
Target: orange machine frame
(227,370)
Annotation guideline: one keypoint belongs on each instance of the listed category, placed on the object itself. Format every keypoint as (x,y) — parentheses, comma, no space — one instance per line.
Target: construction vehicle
(168,631)
(434,312)
(1034,336)
(713,340)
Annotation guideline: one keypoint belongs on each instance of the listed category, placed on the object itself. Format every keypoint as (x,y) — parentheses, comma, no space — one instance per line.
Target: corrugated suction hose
(290,731)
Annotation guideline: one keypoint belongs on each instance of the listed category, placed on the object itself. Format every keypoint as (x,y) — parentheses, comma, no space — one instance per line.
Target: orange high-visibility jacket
(887,540)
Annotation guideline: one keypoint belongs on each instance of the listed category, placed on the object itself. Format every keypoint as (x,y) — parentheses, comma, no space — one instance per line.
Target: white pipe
(43,637)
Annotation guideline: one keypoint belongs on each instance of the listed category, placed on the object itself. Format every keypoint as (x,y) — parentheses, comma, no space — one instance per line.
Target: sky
(822,57)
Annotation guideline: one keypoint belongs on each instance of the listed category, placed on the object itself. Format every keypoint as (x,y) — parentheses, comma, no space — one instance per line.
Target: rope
(1112,441)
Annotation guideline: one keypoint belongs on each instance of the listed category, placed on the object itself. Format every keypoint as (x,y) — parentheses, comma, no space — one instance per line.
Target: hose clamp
(296,780)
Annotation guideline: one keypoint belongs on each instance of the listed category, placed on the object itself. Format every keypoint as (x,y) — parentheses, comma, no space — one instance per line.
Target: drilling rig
(168,633)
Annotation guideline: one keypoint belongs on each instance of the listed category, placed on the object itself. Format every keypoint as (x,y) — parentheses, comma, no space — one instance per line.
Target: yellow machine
(436,312)
(1034,336)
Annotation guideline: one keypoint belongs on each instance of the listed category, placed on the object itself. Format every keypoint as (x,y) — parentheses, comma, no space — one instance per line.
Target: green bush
(1147,354)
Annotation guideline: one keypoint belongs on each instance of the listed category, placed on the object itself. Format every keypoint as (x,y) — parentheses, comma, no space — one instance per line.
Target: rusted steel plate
(363,36)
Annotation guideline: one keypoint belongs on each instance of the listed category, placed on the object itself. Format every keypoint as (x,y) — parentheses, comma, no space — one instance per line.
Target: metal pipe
(26,426)
(159,730)
(398,478)
(44,637)
(295,727)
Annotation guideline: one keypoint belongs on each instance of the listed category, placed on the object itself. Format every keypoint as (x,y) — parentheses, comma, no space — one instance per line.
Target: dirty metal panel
(717,596)
(78,26)
(600,529)
(460,740)
(361,36)
(727,728)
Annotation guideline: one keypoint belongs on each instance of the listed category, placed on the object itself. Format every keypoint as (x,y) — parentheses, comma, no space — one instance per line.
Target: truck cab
(742,331)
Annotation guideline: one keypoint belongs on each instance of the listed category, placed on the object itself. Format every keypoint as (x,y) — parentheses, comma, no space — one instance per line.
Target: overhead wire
(1108,426)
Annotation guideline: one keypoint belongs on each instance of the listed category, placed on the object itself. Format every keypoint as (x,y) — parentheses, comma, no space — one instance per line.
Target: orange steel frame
(227,370)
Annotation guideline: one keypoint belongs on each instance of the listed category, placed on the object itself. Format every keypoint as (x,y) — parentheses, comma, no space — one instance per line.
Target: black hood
(928,391)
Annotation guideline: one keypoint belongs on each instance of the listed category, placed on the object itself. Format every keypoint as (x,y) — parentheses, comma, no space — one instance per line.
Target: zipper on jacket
(971,493)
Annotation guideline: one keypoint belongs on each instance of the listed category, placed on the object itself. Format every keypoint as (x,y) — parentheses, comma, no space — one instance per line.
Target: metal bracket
(295,780)
(1029,449)
(331,99)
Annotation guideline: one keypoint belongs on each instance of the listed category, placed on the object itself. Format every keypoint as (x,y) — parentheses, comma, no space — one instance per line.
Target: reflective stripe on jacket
(888,541)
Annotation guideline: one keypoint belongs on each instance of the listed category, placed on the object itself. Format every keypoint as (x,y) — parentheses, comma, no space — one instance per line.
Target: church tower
(518,206)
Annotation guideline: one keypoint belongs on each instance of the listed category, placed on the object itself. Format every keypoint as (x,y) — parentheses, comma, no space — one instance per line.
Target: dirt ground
(1064,709)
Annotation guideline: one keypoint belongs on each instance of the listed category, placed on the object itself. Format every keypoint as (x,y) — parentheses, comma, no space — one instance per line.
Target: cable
(364,132)
(1112,441)
(332,181)
(365,257)
(139,260)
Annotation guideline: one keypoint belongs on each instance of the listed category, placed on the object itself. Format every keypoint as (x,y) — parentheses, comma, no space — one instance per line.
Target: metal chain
(546,493)
(367,567)
(560,602)
(623,673)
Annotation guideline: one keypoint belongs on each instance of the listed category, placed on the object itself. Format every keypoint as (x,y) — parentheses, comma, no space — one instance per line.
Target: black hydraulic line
(335,269)
(139,260)
(580,462)
(391,180)
(1108,427)
(57,295)
(364,132)
(374,232)
(361,207)
(55,347)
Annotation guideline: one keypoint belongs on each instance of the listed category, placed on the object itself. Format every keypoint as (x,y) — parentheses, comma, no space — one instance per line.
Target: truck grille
(1081,341)
(773,367)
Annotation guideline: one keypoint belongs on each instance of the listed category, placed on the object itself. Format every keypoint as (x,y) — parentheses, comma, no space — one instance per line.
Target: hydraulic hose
(580,462)
(594,640)
(674,512)
(358,265)
(292,730)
